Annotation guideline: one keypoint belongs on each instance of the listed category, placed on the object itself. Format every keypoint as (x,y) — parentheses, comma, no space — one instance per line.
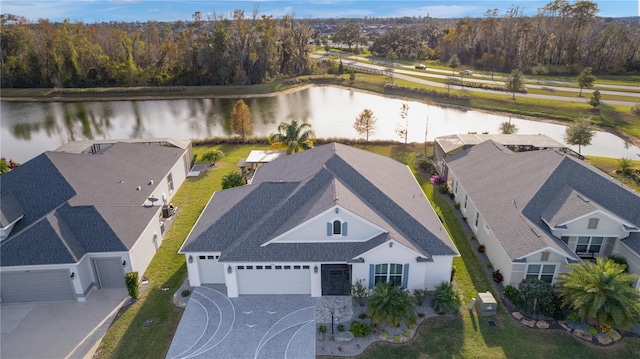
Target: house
(316,222)
(76,219)
(449,145)
(536,212)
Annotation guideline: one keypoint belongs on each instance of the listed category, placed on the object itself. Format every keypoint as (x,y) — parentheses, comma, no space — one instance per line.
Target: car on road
(420,67)
(466,72)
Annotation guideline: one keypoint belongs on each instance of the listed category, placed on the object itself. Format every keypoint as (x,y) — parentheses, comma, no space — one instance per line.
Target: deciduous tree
(585,79)
(402,129)
(365,123)
(241,119)
(514,82)
(579,133)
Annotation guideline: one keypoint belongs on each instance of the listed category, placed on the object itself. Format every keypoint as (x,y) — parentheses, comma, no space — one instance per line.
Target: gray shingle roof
(513,191)
(75,203)
(292,189)
(567,205)
(10,209)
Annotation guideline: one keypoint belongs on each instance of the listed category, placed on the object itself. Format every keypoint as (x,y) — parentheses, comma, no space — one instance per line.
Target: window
(258,267)
(477,219)
(209,257)
(589,244)
(278,267)
(170,182)
(202,257)
(455,187)
(388,273)
(249,267)
(593,223)
(267,267)
(465,202)
(240,267)
(305,267)
(337,227)
(296,267)
(544,272)
(287,267)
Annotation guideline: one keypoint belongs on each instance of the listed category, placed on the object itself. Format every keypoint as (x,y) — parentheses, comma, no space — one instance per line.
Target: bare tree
(402,129)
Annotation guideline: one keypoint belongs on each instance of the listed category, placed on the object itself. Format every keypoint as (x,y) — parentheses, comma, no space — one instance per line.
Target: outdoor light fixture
(315,269)
(73,275)
(190,259)
(124,263)
(229,269)
(390,244)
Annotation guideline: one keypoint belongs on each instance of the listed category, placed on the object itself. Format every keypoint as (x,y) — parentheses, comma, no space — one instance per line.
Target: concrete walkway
(58,329)
(256,326)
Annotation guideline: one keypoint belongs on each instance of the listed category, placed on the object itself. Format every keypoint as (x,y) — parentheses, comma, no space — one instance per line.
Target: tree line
(238,50)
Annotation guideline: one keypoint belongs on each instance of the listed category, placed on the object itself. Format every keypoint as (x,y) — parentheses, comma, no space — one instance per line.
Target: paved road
(401,74)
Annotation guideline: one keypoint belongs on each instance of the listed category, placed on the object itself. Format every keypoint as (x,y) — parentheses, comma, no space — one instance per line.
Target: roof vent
(121,181)
(150,182)
(138,188)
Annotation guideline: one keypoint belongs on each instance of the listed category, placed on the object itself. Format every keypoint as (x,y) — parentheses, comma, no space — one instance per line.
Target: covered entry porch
(336,279)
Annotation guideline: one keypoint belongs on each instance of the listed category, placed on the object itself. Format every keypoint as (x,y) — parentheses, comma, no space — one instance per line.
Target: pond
(30,128)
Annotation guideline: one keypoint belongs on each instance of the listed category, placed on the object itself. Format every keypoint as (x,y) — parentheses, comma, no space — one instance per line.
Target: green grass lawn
(128,337)
(463,336)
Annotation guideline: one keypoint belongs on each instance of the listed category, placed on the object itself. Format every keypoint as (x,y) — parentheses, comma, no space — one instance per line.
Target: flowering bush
(438,180)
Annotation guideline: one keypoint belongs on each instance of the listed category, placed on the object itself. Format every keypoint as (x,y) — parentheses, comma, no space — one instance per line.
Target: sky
(91,11)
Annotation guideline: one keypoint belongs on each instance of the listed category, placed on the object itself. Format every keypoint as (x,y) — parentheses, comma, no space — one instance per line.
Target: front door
(336,279)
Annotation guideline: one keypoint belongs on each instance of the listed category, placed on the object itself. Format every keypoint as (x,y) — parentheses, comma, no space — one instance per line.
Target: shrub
(420,315)
(424,163)
(437,180)
(497,276)
(538,296)
(420,295)
(446,299)
(359,291)
(489,265)
(573,316)
(453,272)
(593,331)
(481,248)
(407,334)
(340,327)
(443,188)
(457,205)
(133,286)
(390,303)
(185,293)
(514,296)
(362,316)
(322,328)
(360,329)
(396,338)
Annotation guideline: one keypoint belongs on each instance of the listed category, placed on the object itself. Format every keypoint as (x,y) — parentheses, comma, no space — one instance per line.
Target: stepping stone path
(528,322)
(517,315)
(564,326)
(614,335)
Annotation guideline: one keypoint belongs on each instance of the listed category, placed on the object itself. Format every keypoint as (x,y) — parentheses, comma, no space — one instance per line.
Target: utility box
(487,304)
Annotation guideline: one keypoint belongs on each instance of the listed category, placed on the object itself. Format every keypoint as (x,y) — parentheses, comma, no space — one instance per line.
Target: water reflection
(31,128)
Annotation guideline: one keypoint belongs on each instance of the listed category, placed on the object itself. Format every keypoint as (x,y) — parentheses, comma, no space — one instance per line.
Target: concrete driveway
(58,330)
(256,326)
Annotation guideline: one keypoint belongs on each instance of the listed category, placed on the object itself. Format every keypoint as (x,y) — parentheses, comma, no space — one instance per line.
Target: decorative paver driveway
(256,326)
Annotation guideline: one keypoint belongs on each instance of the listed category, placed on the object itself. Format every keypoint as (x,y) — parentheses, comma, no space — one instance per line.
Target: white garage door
(109,272)
(274,279)
(211,272)
(36,286)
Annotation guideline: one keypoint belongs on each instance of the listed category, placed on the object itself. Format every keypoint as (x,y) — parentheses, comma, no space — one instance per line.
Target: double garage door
(36,286)
(272,279)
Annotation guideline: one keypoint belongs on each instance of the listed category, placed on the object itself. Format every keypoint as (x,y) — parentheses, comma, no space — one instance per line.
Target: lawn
(128,337)
(444,337)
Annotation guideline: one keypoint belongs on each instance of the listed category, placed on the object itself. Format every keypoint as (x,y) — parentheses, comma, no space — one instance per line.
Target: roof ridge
(60,225)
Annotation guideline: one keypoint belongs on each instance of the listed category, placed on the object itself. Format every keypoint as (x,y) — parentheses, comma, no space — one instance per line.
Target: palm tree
(446,299)
(602,291)
(507,128)
(390,303)
(232,179)
(212,156)
(293,137)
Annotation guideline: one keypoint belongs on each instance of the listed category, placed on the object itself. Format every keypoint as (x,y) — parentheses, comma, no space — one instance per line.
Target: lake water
(30,128)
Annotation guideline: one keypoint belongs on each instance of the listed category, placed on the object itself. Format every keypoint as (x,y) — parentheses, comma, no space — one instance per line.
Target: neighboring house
(538,211)
(317,221)
(78,218)
(447,146)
